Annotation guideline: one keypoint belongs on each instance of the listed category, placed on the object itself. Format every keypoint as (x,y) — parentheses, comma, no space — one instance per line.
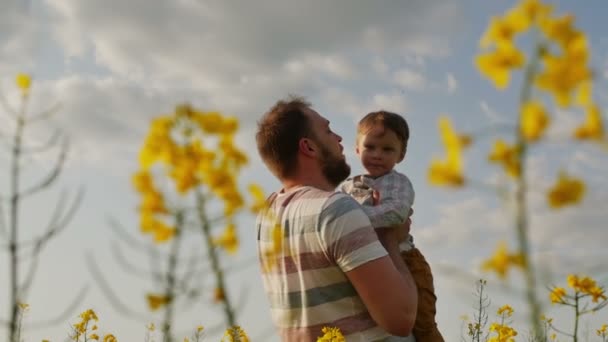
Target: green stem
(213,257)
(576,317)
(171,279)
(522,224)
(13,221)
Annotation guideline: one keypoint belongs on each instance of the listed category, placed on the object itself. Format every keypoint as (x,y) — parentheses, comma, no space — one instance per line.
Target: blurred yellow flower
(496,65)
(602,330)
(109,338)
(534,10)
(534,120)
(259,199)
(502,261)
(228,240)
(504,333)
(163,233)
(583,96)
(557,295)
(24,306)
(507,156)
(448,172)
(505,309)
(23,82)
(561,29)
(143,182)
(445,173)
(156,301)
(235,334)
(331,335)
(566,191)
(502,30)
(94,337)
(593,127)
(153,202)
(562,75)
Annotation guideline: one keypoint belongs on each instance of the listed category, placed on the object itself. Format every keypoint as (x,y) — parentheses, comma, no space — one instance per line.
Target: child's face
(379,151)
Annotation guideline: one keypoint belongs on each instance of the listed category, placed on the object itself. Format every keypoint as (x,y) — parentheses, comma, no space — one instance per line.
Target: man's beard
(334,169)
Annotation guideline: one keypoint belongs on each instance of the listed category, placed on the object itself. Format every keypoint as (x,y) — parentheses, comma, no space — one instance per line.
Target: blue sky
(113,65)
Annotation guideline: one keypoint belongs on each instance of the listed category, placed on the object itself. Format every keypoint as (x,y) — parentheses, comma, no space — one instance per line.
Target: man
(322,262)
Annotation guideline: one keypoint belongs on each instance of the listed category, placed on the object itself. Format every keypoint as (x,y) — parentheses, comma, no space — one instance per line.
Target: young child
(381,143)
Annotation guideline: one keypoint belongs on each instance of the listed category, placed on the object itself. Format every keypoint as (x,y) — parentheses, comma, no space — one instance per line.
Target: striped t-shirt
(307,239)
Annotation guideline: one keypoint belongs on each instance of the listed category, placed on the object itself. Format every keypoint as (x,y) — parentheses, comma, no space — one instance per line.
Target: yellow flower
(596,294)
(89,315)
(163,233)
(153,202)
(496,65)
(210,122)
(94,337)
(602,330)
(593,127)
(235,334)
(562,75)
(24,306)
(331,335)
(156,301)
(583,96)
(502,30)
(506,309)
(566,191)
(184,176)
(23,81)
(445,173)
(502,261)
(557,295)
(151,327)
(449,171)
(228,240)
(507,156)
(109,338)
(504,332)
(561,30)
(534,10)
(259,199)
(200,329)
(143,182)
(534,120)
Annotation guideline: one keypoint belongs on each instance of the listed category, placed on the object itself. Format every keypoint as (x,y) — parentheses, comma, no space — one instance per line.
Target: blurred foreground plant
(188,186)
(558,65)
(24,253)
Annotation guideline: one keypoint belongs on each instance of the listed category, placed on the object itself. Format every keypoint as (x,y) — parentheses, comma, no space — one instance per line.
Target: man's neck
(319,184)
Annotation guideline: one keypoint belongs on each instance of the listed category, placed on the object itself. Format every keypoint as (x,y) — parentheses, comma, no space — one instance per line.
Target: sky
(112,66)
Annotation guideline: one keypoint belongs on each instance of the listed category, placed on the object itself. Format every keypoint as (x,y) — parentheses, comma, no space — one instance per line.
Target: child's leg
(425,328)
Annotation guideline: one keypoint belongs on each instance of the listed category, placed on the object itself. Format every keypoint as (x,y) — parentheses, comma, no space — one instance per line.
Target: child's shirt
(396,200)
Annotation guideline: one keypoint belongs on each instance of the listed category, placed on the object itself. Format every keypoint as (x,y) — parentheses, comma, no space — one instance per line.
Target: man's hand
(403,230)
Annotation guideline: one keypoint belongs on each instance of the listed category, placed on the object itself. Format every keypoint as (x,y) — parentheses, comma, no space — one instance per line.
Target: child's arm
(396,198)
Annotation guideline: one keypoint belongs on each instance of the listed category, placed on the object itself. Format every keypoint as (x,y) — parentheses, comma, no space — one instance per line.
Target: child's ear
(357,149)
(402,157)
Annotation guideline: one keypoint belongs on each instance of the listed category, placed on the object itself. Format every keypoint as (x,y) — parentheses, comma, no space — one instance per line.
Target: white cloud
(20,35)
(451,83)
(492,115)
(410,79)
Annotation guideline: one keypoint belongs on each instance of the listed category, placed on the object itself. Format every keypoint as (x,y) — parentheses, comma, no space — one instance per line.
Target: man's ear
(307,147)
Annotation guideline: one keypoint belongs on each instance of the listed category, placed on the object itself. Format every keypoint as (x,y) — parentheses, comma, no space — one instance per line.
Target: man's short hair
(279,133)
(386,120)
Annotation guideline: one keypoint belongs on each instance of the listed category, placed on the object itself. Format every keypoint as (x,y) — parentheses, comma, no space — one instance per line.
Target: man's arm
(389,295)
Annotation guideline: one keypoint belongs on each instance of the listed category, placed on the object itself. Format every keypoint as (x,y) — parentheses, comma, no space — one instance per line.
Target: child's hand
(375,197)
